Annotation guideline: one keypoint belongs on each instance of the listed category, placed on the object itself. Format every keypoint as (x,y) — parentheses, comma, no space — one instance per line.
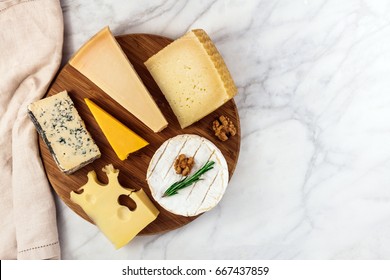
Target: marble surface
(312,180)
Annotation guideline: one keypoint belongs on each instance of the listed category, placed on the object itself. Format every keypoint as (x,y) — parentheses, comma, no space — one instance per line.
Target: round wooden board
(138,48)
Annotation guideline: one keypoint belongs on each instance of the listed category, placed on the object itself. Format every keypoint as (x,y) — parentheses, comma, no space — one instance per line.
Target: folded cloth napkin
(31,38)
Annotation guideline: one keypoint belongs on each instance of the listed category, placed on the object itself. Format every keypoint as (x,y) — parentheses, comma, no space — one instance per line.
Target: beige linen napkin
(31,36)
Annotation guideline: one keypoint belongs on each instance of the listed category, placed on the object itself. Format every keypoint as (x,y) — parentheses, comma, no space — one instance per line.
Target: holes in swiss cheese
(79,191)
(127,201)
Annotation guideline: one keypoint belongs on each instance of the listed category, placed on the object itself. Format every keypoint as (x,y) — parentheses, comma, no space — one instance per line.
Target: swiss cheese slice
(122,139)
(107,207)
(105,64)
(193,77)
(200,196)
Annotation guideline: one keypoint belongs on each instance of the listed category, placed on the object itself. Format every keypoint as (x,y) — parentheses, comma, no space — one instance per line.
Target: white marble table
(313,177)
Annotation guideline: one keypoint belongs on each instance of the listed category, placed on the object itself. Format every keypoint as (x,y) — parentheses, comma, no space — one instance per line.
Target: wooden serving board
(138,48)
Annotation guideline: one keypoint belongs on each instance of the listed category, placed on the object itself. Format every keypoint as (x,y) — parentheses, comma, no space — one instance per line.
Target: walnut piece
(224,128)
(183,165)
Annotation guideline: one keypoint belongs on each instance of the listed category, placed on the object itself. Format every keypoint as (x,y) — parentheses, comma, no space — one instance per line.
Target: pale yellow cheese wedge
(117,222)
(105,64)
(193,77)
(122,139)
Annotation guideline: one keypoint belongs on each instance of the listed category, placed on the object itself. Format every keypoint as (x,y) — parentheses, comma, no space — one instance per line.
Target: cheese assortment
(123,140)
(119,223)
(64,132)
(193,77)
(200,196)
(187,175)
(104,63)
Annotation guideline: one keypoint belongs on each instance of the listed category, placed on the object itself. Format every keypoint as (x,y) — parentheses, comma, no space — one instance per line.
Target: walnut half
(224,128)
(183,165)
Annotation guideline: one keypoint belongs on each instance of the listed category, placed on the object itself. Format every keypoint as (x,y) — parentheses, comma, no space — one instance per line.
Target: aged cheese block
(109,207)
(105,64)
(200,196)
(64,132)
(122,139)
(193,77)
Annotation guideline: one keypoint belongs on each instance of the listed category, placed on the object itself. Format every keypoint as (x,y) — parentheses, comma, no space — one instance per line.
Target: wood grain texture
(138,48)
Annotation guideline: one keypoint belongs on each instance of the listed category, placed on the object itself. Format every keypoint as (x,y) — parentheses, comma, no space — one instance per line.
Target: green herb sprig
(189,180)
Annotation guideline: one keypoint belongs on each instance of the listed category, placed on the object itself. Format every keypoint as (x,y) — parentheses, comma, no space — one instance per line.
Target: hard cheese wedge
(104,63)
(123,140)
(105,205)
(64,132)
(193,77)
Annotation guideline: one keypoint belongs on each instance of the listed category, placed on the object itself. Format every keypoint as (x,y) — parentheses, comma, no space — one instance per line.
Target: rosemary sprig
(189,180)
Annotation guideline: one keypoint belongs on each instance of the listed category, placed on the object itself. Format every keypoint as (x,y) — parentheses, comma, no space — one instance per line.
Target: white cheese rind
(202,195)
(64,132)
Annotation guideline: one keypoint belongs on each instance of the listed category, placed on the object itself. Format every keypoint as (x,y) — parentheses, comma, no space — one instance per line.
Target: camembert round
(198,197)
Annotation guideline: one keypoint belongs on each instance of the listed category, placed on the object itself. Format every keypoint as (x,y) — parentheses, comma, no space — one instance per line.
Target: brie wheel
(200,196)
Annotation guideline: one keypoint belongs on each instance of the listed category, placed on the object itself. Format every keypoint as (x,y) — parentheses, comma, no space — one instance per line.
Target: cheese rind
(193,77)
(119,223)
(105,64)
(200,196)
(122,139)
(64,132)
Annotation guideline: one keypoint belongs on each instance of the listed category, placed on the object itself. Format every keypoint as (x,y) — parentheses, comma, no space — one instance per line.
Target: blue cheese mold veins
(62,129)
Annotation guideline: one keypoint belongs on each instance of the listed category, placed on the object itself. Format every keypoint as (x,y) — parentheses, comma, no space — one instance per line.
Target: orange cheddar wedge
(122,139)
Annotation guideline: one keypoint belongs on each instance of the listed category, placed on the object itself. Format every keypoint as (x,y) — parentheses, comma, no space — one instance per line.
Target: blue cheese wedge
(64,132)
(201,196)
